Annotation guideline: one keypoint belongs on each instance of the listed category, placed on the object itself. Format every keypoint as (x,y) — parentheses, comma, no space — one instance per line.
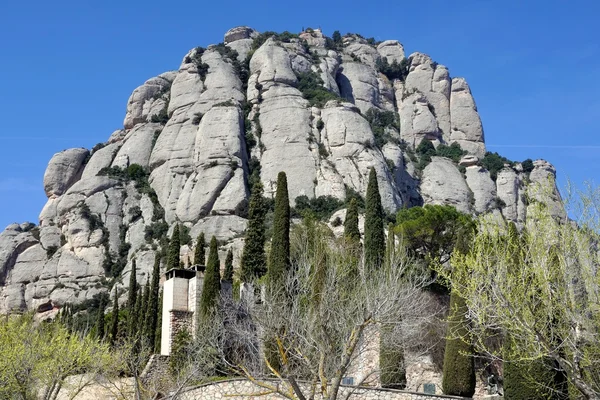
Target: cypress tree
(143,317)
(459,369)
(279,259)
(253,263)
(135,331)
(174,248)
(100,320)
(153,304)
(351,231)
(114,329)
(199,252)
(374,218)
(212,280)
(533,380)
(132,297)
(228,273)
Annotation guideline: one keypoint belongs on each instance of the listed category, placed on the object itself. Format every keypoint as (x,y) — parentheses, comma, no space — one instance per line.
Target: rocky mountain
(324,110)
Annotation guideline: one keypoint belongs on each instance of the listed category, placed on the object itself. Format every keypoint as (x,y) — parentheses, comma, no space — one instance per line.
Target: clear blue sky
(68,68)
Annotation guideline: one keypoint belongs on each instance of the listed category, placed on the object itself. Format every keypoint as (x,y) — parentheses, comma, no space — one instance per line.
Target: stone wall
(243,389)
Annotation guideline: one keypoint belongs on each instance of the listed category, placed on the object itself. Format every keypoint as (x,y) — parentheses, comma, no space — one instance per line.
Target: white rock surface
(443,184)
(64,170)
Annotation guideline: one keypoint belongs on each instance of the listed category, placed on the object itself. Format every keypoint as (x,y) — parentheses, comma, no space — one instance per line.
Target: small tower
(181,294)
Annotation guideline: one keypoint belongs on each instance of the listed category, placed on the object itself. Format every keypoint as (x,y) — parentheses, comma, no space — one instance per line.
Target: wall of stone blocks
(242,389)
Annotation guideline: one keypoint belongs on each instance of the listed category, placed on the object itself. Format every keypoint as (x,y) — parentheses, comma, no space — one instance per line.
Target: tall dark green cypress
(153,304)
(351,231)
(136,321)
(228,273)
(459,369)
(174,248)
(143,318)
(200,252)
(114,325)
(132,298)
(212,280)
(253,264)
(279,259)
(374,219)
(100,320)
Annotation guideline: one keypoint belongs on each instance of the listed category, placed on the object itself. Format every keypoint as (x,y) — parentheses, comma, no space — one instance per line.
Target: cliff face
(323,111)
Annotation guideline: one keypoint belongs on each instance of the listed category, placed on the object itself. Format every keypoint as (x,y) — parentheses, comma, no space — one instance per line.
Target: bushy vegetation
(318,207)
(311,86)
(285,37)
(459,368)
(395,70)
(379,121)
(494,162)
(453,152)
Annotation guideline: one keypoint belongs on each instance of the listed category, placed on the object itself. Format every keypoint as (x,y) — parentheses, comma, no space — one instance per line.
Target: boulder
(443,184)
(465,122)
(238,33)
(64,170)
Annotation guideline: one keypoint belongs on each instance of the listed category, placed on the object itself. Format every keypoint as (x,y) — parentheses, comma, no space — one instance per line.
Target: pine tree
(459,369)
(114,325)
(279,259)
(228,273)
(100,320)
(374,217)
(174,248)
(351,231)
(212,281)
(200,253)
(132,298)
(153,304)
(253,263)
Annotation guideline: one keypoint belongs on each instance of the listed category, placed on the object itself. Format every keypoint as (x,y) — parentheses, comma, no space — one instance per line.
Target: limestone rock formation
(323,112)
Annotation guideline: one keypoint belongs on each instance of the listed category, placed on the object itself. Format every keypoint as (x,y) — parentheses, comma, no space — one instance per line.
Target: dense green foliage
(228,272)
(212,281)
(459,368)
(279,259)
(174,249)
(533,380)
(253,263)
(179,352)
(153,304)
(494,162)
(199,251)
(351,231)
(395,70)
(374,219)
(453,152)
(425,150)
(114,322)
(379,121)
(311,86)
(432,232)
(100,320)
(132,298)
(318,207)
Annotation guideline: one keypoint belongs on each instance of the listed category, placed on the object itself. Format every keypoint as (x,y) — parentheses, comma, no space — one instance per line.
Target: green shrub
(311,86)
(161,118)
(50,251)
(320,124)
(379,121)
(533,380)
(425,151)
(394,70)
(135,213)
(320,207)
(494,162)
(453,152)
(527,166)
(156,230)
(323,153)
